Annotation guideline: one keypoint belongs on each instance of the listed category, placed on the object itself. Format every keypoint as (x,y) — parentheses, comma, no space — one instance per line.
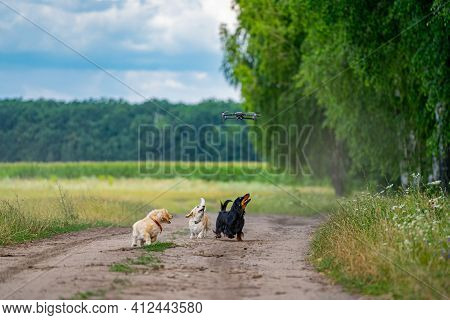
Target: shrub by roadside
(393,244)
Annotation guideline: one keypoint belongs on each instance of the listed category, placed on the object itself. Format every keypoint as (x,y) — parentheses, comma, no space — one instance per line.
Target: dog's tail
(223,206)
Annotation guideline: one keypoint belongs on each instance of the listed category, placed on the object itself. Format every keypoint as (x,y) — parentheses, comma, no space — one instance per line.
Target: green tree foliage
(263,56)
(375,72)
(105,130)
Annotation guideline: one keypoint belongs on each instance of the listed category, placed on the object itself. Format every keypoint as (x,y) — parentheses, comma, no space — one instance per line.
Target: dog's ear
(190,214)
(202,202)
(167,216)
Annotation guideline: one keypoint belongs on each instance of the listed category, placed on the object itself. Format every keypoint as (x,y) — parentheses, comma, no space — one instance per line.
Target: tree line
(115,130)
(371,77)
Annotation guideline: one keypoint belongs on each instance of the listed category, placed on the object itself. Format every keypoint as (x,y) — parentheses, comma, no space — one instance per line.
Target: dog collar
(157,223)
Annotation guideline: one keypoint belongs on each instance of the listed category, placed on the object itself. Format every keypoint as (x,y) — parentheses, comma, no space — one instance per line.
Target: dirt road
(270,263)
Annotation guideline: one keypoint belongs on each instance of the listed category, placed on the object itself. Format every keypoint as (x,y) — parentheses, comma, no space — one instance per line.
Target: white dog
(148,229)
(199,221)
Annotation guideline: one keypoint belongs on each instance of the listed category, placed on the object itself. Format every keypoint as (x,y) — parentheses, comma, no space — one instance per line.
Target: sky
(167,49)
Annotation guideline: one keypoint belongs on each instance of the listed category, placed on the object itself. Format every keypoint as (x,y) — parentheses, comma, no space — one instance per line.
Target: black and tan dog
(231,223)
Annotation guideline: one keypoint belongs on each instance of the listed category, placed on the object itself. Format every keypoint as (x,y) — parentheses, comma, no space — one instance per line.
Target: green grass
(159,246)
(40,230)
(117,284)
(121,267)
(108,171)
(390,244)
(20,221)
(147,259)
(84,295)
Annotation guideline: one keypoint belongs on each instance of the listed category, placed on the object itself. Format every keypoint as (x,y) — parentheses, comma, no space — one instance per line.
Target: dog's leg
(201,235)
(153,239)
(240,235)
(192,235)
(218,231)
(134,237)
(147,238)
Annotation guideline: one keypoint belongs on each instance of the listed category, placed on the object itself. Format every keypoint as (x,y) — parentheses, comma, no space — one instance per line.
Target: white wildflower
(398,207)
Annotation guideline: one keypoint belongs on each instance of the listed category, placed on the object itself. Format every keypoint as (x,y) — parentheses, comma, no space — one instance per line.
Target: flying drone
(240,115)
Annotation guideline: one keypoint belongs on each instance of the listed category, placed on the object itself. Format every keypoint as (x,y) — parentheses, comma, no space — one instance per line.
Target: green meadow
(208,171)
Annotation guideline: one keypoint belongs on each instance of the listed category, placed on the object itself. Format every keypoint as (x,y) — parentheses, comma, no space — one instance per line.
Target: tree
(263,56)
(373,74)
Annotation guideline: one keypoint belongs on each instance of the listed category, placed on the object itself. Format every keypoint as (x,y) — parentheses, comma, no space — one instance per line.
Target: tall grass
(393,244)
(21,221)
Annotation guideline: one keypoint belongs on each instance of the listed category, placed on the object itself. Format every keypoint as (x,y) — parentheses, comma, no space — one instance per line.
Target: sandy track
(270,264)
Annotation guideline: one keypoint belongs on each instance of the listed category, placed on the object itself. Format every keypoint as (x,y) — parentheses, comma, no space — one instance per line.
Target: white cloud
(178,86)
(36,91)
(168,26)
(200,75)
(83,84)
(164,48)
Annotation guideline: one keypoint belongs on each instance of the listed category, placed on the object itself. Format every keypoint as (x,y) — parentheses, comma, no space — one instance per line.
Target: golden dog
(147,230)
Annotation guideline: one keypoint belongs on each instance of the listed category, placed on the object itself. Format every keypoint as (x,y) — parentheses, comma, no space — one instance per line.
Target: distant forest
(108,130)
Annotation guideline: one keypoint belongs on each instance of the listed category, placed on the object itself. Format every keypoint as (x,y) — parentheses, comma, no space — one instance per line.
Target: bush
(393,243)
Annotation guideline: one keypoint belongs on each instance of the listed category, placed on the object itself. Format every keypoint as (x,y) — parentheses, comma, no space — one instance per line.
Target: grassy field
(208,171)
(36,208)
(389,244)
